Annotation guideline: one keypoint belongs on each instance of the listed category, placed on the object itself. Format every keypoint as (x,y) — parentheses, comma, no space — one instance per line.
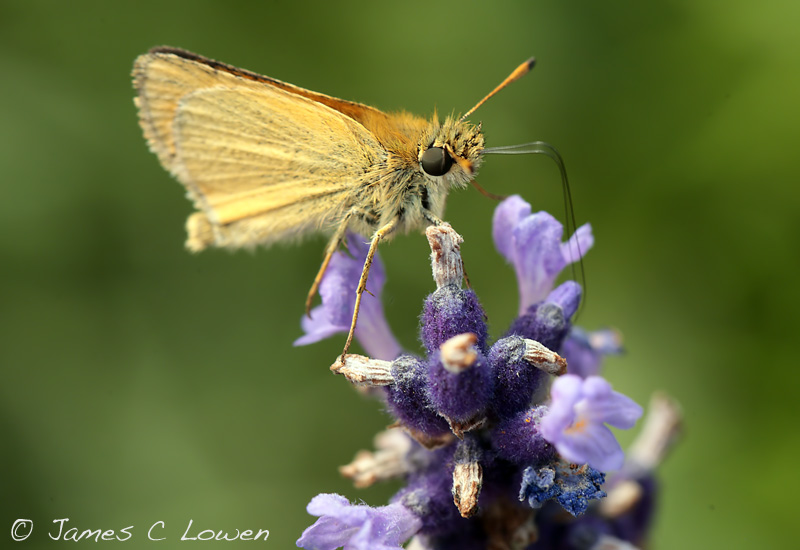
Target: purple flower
(338,290)
(518,439)
(572,487)
(548,322)
(575,423)
(532,242)
(451,311)
(585,351)
(408,397)
(460,381)
(357,527)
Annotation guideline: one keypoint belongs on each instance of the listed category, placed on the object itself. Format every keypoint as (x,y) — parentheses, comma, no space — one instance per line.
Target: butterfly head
(451,152)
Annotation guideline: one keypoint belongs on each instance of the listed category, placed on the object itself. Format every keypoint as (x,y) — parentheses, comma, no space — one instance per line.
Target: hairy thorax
(397,188)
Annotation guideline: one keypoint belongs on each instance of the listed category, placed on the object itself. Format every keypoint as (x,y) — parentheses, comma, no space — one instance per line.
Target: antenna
(518,73)
(543,148)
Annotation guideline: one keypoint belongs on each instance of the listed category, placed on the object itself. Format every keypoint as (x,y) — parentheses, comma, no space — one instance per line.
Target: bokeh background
(141,383)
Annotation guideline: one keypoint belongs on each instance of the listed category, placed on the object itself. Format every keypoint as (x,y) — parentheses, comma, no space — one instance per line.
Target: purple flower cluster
(489,460)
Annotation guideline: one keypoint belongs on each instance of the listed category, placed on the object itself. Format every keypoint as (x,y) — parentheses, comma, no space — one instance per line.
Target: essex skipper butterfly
(266,161)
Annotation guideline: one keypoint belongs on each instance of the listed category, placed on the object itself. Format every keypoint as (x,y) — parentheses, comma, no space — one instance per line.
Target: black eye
(436,162)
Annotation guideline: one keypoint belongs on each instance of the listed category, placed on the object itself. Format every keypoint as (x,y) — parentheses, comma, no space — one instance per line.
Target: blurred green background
(141,383)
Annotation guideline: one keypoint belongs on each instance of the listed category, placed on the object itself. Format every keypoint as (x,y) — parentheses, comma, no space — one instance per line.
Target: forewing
(255,152)
(260,162)
(164,75)
(161,81)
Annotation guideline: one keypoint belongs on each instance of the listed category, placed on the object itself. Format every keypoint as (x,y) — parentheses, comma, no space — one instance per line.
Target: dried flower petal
(544,359)
(445,255)
(467,477)
(388,461)
(363,370)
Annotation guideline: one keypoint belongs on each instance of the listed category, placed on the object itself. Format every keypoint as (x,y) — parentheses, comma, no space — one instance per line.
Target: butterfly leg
(330,250)
(432,218)
(379,235)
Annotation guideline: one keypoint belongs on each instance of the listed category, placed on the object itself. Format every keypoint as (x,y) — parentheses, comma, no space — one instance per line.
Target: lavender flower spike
(488,460)
(575,422)
(357,527)
(337,290)
(532,243)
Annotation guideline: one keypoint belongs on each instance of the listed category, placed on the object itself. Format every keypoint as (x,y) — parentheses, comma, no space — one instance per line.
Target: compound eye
(436,162)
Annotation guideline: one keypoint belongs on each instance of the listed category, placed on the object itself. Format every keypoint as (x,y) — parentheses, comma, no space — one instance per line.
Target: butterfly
(266,161)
